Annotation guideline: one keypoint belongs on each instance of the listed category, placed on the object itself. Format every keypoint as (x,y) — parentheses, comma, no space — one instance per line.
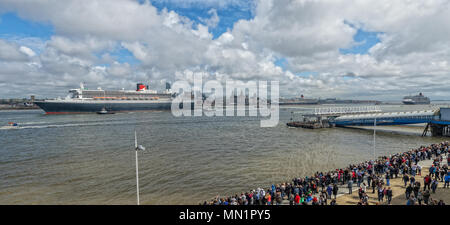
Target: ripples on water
(88,159)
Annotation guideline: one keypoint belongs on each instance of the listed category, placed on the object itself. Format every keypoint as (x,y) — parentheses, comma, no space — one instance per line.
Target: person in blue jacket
(447,180)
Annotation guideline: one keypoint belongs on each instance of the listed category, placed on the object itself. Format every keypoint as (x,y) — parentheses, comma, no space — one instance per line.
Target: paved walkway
(441,192)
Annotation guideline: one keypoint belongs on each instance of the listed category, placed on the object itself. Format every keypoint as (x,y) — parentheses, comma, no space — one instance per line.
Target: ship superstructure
(419,99)
(82,100)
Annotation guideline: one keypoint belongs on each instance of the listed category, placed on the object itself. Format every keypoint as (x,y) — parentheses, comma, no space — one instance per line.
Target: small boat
(11,125)
(104,111)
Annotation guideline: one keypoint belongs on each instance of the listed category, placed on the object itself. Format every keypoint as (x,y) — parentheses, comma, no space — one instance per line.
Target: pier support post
(446,131)
(437,130)
(426,130)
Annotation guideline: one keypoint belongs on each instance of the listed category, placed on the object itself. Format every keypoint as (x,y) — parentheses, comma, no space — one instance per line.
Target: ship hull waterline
(416,103)
(81,107)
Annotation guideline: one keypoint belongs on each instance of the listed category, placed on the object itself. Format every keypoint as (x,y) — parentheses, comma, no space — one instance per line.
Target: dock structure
(338,111)
(440,126)
(437,119)
(324,117)
(311,124)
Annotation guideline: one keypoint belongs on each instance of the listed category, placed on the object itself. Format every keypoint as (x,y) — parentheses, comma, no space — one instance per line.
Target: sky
(349,49)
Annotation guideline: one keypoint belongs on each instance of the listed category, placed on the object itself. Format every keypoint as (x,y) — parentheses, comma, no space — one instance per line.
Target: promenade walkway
(397,163)
(398,189)
(397,186)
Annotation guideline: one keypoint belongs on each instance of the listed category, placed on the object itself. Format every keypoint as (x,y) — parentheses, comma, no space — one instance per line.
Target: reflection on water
(88,159)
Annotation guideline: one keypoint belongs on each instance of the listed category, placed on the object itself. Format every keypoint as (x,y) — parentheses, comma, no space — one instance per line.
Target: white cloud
(119,70)
(82,47)
(413,54)
(27,51)
(11,52)
(213,21)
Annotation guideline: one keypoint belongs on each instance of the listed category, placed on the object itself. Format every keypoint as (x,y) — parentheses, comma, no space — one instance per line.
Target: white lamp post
(374,137)
(137,148)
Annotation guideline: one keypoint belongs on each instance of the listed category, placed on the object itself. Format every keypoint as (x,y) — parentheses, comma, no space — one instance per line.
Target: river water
(89,159)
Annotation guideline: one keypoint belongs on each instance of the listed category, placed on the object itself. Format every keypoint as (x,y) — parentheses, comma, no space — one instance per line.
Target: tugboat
(104,111)
(11,125)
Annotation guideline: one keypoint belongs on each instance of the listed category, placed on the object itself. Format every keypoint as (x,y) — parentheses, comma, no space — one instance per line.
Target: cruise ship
(419,99)
(82,100)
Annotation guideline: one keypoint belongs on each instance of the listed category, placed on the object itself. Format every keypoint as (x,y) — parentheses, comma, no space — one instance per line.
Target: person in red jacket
(269,199)
(315,201)
(427,182)
(297,199)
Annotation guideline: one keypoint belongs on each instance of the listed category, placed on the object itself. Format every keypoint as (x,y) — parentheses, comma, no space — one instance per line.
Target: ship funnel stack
(168,88)
(141,87)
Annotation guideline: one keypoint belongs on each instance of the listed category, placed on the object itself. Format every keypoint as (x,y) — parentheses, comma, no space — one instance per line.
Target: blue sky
(365,40)
(12,26)
(228,15)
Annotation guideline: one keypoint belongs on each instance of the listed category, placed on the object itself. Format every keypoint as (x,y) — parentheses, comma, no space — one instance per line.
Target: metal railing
(344,110)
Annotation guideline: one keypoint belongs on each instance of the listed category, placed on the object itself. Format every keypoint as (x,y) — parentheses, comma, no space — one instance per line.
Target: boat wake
(25,126)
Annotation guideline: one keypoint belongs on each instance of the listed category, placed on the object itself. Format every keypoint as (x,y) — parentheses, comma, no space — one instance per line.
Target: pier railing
(337,111)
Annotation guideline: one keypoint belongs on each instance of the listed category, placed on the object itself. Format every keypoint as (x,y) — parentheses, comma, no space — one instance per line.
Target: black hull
(80,107)
(410,103)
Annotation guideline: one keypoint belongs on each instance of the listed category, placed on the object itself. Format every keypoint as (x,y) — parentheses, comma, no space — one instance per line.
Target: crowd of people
(374,175)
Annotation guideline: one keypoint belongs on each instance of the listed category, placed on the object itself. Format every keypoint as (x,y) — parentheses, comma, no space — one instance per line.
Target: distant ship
(299,101)
(81,100)
(416,100)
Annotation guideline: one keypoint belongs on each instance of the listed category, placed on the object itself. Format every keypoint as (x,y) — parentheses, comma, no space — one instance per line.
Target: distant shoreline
(18,108)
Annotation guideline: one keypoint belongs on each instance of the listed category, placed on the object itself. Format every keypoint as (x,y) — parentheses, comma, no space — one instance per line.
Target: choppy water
(88,159)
